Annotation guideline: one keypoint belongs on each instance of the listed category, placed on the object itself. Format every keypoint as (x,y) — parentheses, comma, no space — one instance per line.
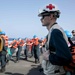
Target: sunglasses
(43,16)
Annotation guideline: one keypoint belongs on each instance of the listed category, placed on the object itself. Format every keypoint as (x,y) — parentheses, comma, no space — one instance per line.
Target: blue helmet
(34,36)
(3,33)
(68,33)
(0,33)
(19,38)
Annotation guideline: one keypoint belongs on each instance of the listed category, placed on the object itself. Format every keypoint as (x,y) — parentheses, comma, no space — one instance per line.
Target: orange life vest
(36,41)
(14,44)
(20,42)
(5,39)
(71,66)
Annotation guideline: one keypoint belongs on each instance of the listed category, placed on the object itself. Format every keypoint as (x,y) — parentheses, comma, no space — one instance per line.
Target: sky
(19,18)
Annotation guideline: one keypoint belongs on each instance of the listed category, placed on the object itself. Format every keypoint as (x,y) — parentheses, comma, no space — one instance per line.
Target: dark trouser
(32,50)
(41,50)
(18,52)
(3,58)
(12,50)
(26,53)
(36,52)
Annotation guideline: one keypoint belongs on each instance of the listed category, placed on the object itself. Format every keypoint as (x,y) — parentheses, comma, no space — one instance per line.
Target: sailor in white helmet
(73,36)
(57,53)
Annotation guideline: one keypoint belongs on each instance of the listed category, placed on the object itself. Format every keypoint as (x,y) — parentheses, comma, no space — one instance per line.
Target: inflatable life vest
(20,42)
(5,39)
(28,44)
(71,66)
(14,44)
(36,41)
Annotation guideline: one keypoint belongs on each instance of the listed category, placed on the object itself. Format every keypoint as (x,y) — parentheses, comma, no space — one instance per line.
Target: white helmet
(48,9)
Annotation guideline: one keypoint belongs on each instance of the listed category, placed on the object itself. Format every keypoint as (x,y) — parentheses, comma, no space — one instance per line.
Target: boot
(25,58)
(7,62)
(36,61)
(2,69)
(41,69)
(17,60)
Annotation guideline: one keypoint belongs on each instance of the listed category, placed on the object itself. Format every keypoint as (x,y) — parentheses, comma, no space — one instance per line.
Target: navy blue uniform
(59,51)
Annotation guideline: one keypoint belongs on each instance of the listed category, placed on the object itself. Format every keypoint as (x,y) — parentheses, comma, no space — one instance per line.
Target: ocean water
(10,41)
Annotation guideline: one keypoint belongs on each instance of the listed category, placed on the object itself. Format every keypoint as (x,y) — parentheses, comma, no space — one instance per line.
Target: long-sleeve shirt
(58,45)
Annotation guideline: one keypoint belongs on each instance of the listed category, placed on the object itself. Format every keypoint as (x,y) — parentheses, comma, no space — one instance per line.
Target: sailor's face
(45,20)
(73,33)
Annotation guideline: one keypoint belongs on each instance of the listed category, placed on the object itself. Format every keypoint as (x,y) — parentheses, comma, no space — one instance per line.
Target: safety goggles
(43,16)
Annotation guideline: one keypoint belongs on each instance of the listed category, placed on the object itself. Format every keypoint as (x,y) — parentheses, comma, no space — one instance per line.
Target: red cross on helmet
(48,8)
